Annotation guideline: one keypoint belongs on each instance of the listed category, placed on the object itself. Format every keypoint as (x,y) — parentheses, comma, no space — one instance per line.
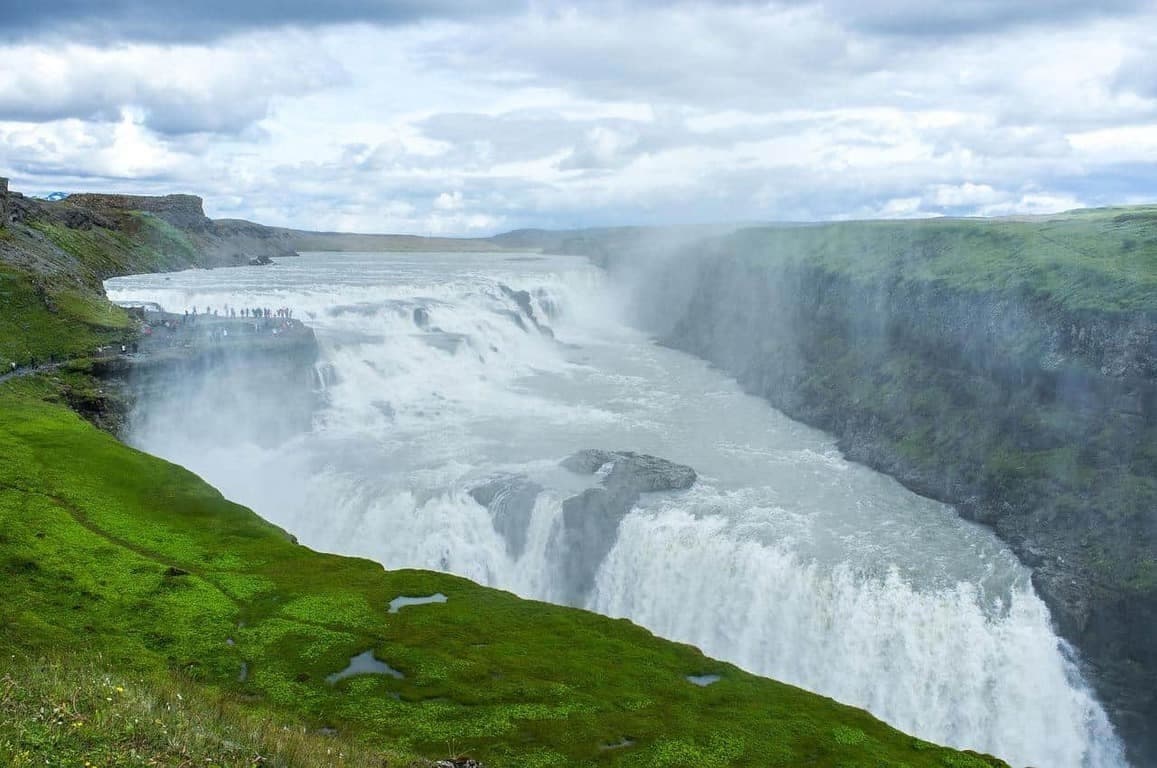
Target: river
(783,558)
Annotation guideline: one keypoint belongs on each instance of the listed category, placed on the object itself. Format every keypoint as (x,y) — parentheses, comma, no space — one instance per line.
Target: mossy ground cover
(41,320)
(51,305)
(76,713)
(1090,260)
(125,565)
(144,243)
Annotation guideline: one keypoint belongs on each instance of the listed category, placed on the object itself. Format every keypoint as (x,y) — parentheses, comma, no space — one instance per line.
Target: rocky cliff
(1008,368)
(142,233)
(184,211)
(3,202)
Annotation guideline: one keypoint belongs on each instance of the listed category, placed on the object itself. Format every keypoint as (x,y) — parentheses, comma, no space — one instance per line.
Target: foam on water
(784,558)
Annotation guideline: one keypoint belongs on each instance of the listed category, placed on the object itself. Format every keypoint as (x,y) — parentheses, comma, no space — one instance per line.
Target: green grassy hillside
(1104,259)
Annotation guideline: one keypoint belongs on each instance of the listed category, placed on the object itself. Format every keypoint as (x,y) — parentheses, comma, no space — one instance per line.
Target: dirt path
(30,370)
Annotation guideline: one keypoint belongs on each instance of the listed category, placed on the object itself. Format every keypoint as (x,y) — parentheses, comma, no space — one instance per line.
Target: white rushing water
(783,558)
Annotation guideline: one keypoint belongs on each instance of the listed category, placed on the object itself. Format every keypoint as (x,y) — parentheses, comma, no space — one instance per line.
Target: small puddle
(243,675)
(398,603)
(623,743)
(703,680)
(365,664)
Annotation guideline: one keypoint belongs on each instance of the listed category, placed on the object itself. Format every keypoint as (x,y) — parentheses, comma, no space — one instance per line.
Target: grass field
(1096,260)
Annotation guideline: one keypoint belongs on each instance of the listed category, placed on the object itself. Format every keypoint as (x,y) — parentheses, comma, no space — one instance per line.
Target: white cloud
(448,201)
(608,114)
(174,89)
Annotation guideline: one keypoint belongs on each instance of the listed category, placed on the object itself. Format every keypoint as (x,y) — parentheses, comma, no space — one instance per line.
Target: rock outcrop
(182,211)
(637,472)
(525,309)
(169,232)
(511,500)
(3,202)
(590,521)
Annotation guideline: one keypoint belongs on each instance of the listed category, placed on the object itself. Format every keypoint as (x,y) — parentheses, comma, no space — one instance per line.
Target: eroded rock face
(640,471)
(522,299)
(182,211)
(590,521)
(511,500)
(3,202)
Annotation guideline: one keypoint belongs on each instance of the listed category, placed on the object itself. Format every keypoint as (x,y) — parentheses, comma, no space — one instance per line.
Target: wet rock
(590,521)
(327,375)
(511,500)
(522,299)
(638,470)
(590,527)
(548,305)
(445,341)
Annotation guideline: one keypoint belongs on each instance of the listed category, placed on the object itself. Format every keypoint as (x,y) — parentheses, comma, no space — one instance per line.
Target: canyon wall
(979,365)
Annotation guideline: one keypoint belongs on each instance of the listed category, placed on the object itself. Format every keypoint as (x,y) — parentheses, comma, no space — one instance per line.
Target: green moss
(1102,260)
(70,713)
(41,321)
(145,244)
(848,736)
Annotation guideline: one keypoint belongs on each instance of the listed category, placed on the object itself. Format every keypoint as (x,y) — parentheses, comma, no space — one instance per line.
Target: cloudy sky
(476,116)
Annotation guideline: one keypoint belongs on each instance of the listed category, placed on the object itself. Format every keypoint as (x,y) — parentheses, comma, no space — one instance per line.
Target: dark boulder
(522,300)
(511,500)
(590,521)
(639,471)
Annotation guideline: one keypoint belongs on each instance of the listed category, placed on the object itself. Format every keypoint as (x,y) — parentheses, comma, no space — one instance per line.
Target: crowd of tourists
(263,313)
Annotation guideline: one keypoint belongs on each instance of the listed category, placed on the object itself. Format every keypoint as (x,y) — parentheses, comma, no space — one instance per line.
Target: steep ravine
(1033,412)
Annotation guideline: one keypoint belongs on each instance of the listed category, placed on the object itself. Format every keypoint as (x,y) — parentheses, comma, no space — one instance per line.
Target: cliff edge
(1007,367)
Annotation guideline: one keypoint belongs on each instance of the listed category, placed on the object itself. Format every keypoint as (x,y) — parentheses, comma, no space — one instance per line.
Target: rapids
(438,376)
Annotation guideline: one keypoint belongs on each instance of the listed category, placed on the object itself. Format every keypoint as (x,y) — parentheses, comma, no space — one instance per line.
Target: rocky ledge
(590,520)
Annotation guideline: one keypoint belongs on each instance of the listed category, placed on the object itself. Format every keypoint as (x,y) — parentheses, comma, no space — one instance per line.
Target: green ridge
(1104,259)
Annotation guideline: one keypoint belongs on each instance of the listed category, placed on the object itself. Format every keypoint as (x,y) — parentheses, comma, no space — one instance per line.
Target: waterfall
(443,373)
